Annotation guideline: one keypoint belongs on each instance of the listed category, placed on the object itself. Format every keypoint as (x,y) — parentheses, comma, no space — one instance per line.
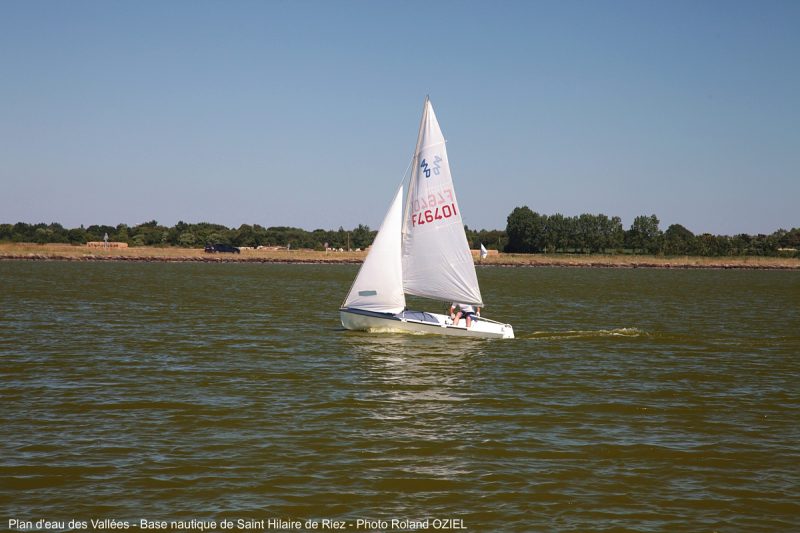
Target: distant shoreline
(65,252)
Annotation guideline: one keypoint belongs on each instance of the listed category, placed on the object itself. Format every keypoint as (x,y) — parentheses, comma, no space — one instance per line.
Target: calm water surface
(638,400)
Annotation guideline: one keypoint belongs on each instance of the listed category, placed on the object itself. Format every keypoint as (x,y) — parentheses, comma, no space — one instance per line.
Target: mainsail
(437,262)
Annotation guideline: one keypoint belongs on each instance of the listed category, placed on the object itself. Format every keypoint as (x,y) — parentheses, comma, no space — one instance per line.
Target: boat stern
(489,328)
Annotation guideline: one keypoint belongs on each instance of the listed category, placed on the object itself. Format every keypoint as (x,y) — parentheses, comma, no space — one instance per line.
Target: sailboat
(421,250)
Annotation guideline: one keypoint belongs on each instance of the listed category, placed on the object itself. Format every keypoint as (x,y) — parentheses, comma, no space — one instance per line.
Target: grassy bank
(65,252)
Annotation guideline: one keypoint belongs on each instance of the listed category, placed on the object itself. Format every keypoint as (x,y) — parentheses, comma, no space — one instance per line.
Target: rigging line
(410,162)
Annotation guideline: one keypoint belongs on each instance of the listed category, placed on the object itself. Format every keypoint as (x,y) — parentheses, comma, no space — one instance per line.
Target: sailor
(465,310)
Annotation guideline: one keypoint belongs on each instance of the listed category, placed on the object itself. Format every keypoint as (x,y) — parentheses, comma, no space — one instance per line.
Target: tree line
(188,235)
(526,232)
(531,232)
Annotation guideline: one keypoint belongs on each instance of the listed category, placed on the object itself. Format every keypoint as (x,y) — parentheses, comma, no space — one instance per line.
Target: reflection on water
(631,399)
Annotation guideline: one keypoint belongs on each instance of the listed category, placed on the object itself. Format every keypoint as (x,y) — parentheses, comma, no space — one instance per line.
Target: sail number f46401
(436,206)
(432,215)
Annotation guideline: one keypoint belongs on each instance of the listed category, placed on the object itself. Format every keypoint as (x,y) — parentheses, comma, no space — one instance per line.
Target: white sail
(484,252)
(379,284)
(437,262)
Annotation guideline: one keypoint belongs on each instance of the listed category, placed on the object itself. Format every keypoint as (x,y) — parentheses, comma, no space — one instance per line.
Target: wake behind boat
(420,249)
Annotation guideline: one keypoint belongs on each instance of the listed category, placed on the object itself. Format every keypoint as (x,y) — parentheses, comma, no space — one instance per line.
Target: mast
(414,159)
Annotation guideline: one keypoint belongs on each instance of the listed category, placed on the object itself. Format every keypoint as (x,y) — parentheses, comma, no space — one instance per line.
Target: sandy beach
(66,252)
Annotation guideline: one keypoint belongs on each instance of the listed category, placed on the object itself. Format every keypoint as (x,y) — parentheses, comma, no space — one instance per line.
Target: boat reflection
(415,393)
(422,380)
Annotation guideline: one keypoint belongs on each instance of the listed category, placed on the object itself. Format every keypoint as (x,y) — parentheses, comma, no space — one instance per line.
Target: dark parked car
(222,248)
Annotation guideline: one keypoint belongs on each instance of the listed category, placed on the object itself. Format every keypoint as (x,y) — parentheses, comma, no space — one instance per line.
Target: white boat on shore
(421,250)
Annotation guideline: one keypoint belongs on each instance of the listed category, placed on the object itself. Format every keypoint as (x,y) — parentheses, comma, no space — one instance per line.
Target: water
(632,400)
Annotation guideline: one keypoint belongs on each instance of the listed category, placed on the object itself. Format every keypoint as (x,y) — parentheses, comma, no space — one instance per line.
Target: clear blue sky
(306,113)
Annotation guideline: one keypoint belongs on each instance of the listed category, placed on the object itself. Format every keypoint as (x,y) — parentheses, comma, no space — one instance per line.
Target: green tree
(558,233)
(679,241)
(790,239)
(361,237)
(97,233)
(644,235)
(187,239)
(525,230)
(121,233)
(589,237)
(491,239)
(6,232)
(77,235)
(517,229)
(615,234)
(246,235)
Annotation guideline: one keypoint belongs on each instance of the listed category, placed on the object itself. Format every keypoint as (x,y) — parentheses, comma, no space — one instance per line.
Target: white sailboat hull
(424,323)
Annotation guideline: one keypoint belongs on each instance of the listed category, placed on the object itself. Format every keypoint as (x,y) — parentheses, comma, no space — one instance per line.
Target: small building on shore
(103,244)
